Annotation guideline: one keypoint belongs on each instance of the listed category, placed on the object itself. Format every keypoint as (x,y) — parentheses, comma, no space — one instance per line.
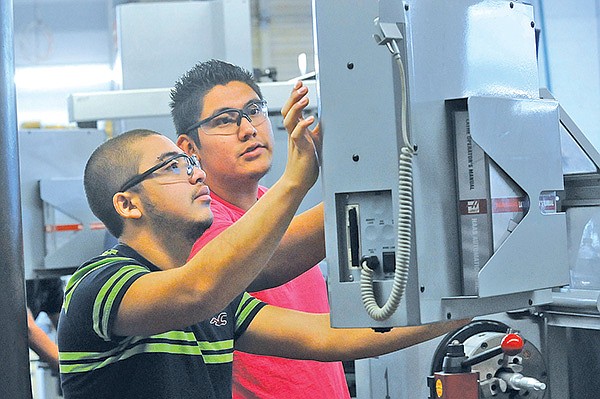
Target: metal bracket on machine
(72,232)
(520,137)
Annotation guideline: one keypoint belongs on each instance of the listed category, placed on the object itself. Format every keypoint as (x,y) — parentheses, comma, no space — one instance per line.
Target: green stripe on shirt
(247,304)
(106,297)
(184,343)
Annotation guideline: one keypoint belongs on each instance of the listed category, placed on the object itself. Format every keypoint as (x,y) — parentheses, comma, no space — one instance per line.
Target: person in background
(44,295)
(41,343)
(221,117)
(140,321)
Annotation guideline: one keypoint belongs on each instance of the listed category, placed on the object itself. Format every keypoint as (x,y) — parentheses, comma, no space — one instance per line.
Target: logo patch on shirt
(219,320)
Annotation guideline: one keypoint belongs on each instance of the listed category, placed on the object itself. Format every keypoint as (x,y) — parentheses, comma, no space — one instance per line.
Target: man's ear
(187,145)
(126,205)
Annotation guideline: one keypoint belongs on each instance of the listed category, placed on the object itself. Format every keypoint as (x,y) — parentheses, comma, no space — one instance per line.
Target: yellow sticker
(439,389)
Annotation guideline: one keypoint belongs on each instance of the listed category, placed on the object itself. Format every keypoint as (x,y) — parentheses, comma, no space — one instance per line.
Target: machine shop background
(63,47)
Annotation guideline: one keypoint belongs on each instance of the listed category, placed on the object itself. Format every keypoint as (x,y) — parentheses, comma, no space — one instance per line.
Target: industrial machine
(454,187)
(441,164)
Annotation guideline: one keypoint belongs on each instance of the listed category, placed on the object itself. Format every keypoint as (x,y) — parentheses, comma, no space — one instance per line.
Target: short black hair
(187,97)
(108,168)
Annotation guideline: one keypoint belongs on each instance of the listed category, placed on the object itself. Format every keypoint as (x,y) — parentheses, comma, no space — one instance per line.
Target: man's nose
(198,175)
(246,129)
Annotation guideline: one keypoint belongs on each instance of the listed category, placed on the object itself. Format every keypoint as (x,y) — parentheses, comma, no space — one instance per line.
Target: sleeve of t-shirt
(97,294)
(247,307)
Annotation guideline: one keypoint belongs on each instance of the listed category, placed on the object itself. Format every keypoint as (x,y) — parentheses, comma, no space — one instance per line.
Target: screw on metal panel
(532,24)
(422,288)
(512,5)
(406,7)
(355,157)
(350,65)
(448,315)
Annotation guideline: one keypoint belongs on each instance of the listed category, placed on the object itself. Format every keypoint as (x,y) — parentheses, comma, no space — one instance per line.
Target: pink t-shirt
(265,377)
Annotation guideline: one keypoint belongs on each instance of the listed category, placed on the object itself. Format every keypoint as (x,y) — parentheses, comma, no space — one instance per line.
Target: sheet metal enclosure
(158,41)
(481,54)
(59,230)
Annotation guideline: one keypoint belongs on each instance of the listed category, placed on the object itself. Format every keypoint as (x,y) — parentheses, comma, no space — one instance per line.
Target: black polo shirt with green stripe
(193,362)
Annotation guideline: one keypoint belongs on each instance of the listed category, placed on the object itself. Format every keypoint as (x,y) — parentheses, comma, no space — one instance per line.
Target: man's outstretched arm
(298,335)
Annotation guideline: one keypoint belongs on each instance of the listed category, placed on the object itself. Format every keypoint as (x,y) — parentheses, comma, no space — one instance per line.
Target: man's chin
(205,224)
(259,174)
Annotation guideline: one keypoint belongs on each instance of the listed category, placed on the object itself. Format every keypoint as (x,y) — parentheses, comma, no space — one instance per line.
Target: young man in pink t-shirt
(212,95)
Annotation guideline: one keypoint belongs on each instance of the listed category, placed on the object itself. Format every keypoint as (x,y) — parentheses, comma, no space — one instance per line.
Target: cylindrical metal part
(518,381)
(583,300)
(15,381)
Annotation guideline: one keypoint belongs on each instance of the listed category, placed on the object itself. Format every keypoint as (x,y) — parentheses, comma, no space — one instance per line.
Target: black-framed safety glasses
(228,121)
(172,163)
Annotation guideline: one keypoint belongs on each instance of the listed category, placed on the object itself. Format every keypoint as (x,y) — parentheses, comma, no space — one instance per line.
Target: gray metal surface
(14,367)
(46,158)
(460,49)
(135,103)
(573,361)
(522,137)
(159,41)
(355,89)
(154,47)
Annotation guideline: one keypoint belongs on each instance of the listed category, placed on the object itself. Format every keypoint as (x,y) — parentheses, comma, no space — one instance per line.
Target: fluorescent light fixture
(62,77)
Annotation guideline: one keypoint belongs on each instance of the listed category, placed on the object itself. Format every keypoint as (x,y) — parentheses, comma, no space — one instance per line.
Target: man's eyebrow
(251,101)
(166,155)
